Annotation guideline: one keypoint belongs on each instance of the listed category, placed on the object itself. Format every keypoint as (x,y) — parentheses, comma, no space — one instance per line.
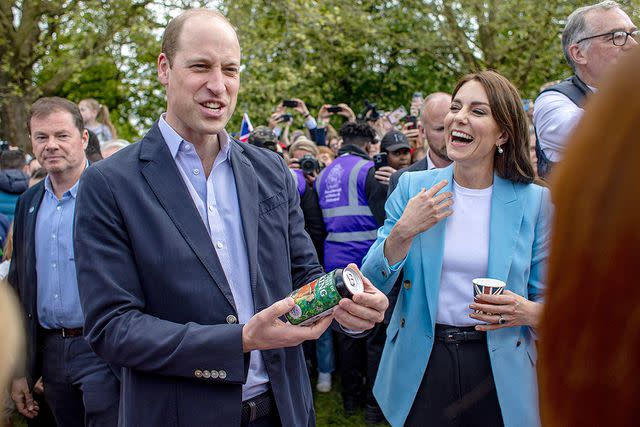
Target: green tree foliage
(324,51)
(69,48)
(336,51)
(330,52)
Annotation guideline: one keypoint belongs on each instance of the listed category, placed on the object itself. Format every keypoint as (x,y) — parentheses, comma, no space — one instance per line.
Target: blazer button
(407,284)
(206,374)
(214,374)
(29,316)
(402,322)
(384,273)
(222,374)
(231,319)
(198,373)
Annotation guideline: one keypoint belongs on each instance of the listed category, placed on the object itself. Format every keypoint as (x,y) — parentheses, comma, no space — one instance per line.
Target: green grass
(329,411)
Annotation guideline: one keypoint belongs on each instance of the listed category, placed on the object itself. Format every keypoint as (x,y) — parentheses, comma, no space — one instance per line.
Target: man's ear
(163,69)
(85,139)
(577,54)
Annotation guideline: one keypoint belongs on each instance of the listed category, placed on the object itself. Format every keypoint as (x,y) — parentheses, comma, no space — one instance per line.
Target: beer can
(317,299)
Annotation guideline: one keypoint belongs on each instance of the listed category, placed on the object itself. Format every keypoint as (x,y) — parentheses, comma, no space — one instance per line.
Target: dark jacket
(156,300)
(376,192)
(22,274)
(13,182)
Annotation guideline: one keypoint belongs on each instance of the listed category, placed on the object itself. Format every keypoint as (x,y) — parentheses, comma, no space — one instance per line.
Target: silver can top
(352,280)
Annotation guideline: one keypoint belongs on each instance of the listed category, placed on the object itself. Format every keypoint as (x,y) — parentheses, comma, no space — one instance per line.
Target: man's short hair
(93,148)
(48,105)
(12,159)
(115,143)
(576,27)
(171,36)
(357,133)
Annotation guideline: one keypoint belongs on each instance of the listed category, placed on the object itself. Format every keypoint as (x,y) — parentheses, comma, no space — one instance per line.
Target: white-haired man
(594,38)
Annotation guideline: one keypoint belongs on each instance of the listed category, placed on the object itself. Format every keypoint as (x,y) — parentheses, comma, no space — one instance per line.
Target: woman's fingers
(439,186)
(492,308)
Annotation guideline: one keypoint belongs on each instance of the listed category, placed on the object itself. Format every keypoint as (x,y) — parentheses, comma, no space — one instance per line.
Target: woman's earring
(500,150)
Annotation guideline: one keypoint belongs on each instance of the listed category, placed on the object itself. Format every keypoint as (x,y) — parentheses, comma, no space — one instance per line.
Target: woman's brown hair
(506,108)
(590,332)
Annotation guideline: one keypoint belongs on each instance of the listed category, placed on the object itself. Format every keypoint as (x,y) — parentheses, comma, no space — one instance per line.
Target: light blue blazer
(518,249)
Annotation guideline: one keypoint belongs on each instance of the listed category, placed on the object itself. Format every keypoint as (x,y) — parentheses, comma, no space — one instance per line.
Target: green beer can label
(317,299)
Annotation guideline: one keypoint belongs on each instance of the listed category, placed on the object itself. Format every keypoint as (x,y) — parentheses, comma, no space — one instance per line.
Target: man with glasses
(593,39)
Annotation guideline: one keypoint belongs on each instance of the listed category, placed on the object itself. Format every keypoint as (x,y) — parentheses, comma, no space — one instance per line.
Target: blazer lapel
(162,175)
(30,227)
(506,218)
(432,248)
(247,189)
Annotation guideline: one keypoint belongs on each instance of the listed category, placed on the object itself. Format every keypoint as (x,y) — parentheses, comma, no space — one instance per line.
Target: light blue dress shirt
(58,299)
(216,199)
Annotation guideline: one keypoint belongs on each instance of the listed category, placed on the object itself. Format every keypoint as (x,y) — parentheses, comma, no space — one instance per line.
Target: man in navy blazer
(187,245)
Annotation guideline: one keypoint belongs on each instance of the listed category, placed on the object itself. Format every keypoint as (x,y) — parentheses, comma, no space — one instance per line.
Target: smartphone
(286,117)
(413,120)
(396,115)
(290,103)
(380,160)
(334,109)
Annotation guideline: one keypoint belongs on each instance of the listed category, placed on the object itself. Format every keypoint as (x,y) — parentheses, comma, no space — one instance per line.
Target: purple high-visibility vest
(350,225)
(300,181)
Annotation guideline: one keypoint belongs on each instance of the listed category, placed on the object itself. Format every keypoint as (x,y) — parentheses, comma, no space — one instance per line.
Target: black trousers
(359,360)
(457,388)
(81,389)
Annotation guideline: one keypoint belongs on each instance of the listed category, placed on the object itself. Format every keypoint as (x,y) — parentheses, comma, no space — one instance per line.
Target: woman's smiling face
(471,132)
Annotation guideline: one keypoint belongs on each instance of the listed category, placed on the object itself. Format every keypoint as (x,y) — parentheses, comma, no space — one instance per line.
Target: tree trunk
(13,116)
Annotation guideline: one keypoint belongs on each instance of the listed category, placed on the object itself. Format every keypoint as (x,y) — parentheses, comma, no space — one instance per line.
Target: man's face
(596,55)
(203,80)
(432,121)
(58,144)
(399,159)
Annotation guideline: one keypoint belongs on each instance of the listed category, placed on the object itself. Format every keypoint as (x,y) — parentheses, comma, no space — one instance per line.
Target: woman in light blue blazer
(482,216)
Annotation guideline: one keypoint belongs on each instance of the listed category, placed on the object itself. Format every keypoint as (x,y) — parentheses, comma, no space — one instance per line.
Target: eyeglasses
(619,38)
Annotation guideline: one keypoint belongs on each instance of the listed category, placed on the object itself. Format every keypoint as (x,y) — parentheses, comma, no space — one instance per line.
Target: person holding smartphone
(352,205)
(395,154)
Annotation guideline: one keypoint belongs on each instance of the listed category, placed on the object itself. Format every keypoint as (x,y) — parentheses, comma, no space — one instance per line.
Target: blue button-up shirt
(216,198)
(58,300)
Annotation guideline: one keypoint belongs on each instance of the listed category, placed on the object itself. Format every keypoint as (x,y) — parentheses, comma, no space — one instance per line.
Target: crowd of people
(153,284)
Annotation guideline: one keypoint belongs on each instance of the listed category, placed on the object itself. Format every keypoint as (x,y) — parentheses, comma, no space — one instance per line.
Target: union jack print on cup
(488,287)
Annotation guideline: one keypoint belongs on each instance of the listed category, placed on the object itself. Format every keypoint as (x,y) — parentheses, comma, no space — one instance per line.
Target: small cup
(488,287)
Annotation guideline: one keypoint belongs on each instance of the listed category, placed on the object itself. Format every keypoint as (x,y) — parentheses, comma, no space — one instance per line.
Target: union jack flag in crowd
(245,129)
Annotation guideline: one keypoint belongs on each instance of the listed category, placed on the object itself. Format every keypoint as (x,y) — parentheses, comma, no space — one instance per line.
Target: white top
(554,117)
(466,254)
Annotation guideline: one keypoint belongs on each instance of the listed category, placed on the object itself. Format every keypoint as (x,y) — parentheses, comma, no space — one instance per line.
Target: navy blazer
(22,273)
(155,297)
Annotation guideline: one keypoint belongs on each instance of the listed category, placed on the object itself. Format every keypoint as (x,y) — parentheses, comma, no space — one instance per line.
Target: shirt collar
(430,164)
(175,141)
(72,191)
